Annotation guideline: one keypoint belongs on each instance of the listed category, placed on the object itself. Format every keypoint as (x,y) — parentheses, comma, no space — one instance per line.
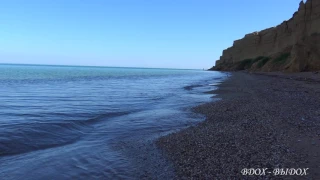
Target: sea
(78,122)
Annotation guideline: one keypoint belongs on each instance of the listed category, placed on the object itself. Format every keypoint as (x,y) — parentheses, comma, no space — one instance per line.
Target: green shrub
(257,59)
(282,58)
(245,64)
(263,61)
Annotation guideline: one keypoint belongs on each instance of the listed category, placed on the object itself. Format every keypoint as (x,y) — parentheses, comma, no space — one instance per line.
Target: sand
(263,121)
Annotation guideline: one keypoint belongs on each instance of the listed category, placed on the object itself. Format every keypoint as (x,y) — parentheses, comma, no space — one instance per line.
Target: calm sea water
(63,122)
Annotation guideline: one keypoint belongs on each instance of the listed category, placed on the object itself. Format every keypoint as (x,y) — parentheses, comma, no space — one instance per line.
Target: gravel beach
(263,121)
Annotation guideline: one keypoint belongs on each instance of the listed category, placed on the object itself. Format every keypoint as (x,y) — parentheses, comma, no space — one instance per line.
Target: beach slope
(263,121)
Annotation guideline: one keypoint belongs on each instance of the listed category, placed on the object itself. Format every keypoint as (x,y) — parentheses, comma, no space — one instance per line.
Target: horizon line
(25,64)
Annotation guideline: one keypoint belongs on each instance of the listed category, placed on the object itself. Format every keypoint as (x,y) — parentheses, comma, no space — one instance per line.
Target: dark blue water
(63,122)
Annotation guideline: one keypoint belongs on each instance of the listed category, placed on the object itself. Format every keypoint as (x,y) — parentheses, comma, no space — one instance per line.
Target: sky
(131,33)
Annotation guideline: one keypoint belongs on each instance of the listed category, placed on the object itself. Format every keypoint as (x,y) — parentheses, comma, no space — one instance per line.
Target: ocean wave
(26,137)
(190,87)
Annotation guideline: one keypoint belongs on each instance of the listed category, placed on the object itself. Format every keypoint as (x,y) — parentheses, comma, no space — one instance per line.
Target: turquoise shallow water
(62,122)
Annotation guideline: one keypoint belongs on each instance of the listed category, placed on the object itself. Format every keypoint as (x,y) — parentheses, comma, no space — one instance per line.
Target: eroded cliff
(291,46)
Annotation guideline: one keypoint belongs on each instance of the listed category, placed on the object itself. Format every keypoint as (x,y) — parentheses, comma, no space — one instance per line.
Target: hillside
(292,46)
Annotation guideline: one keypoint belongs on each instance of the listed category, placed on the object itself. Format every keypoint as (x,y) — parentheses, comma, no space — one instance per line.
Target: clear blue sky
(131,33)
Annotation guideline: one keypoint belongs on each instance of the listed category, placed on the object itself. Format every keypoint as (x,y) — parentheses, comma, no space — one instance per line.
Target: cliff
(291,46)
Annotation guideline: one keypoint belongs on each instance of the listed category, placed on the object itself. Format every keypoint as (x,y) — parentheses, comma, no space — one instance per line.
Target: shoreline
(263,121)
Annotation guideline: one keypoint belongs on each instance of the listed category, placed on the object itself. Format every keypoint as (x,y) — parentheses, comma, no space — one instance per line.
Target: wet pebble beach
(261,121)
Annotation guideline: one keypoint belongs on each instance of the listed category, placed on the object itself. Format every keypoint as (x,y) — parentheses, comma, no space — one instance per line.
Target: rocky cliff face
(293,46)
